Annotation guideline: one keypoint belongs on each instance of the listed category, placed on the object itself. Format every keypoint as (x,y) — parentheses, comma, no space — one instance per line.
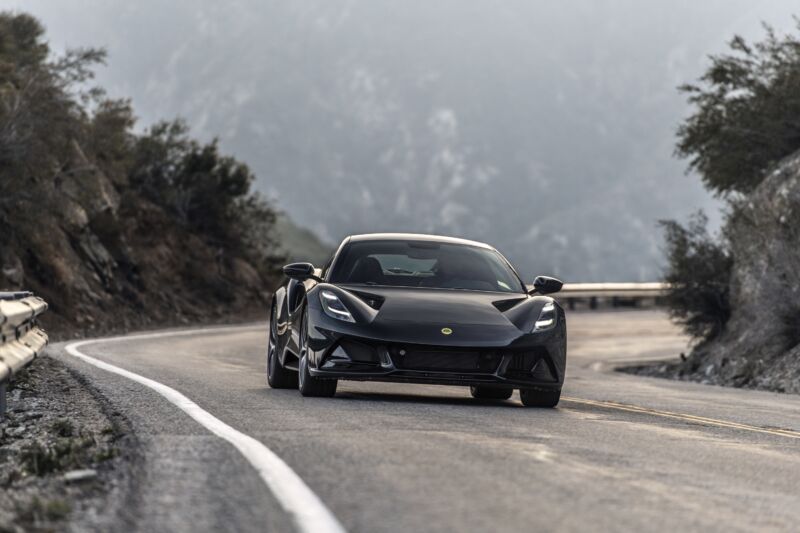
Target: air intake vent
(436,358)
(360,352)
(522,362)
(542,372)
(372,300)
(505,305)
(530,365)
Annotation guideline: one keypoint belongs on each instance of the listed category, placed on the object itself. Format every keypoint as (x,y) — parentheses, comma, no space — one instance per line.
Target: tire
(278,377)
(539,398)
(308,385)
(490,393)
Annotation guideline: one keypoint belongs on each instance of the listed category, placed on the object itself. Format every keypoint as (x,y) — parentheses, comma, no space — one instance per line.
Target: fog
(544,128)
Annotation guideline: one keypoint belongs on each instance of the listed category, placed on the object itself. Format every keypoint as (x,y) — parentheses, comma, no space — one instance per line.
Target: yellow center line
(687,418)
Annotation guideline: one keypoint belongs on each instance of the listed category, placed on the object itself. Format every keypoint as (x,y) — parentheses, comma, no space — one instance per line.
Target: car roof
(414,237)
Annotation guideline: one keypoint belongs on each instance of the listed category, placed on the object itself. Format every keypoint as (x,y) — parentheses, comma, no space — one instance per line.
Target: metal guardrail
(21,339)
(634,290)
(613,294)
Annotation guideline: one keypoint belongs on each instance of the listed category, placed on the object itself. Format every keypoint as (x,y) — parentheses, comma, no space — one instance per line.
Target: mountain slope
(546,129)
(300,244)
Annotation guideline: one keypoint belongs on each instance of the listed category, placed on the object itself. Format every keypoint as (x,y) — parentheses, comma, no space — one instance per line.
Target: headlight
(547,318)
(334,307)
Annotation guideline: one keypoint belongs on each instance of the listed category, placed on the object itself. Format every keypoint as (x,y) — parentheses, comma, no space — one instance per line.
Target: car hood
(472,317)
(440,305)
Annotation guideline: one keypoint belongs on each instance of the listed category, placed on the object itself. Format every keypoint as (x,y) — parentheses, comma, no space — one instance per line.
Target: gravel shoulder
(67,459)
(778,375)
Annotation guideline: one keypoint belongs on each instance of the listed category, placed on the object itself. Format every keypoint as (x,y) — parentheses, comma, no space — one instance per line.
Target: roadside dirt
(67,461)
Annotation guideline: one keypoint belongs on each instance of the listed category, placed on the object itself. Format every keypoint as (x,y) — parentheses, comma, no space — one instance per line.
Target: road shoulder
(68,457)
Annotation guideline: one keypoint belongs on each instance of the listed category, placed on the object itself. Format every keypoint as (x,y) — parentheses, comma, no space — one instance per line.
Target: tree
(40,106)
(39,111)
(110,138)
(193,181)
(21,44)
(747,113)
(698,272)
(209,193)
(207,187)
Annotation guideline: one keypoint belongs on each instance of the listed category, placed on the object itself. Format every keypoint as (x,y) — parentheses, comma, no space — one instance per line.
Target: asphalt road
(619,453)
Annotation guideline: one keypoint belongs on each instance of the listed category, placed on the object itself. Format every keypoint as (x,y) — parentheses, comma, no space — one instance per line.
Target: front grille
(522,362)
(542,372)
(440,359)
(359,352)
(533,364)
(529,365)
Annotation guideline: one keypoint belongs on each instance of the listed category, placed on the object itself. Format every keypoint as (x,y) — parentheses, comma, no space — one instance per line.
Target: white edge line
(305,508)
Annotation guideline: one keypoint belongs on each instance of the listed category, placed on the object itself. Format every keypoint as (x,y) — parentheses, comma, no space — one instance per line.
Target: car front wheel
(539,398)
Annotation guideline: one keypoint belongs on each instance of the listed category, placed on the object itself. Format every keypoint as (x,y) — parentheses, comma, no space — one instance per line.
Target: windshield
(424,264)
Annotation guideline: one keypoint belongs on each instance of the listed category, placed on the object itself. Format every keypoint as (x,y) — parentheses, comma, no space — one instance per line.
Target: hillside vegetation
(739,294)
(117,229)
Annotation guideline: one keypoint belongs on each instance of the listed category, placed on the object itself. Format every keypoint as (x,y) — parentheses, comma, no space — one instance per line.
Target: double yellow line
(684,417)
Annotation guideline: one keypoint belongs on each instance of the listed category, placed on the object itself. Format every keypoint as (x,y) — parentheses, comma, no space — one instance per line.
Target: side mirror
(300,271)
(546,285)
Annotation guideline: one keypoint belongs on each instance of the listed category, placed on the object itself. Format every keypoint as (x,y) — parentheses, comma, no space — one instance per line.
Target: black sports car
(419,309)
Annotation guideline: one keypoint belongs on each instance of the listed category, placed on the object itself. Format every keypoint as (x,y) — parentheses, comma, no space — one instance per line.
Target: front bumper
(532,361)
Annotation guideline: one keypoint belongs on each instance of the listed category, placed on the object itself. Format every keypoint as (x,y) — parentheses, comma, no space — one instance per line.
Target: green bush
(63,427)
(195,182)
(64,454)
(747,113)
(206,191)
(698,271)
(38,511)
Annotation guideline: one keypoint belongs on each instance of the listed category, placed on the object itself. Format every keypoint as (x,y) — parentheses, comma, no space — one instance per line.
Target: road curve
(619,453)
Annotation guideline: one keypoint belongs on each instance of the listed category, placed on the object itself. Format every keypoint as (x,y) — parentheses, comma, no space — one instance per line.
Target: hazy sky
(545,128)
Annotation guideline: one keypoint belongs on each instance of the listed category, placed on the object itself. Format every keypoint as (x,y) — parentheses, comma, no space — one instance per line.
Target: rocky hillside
(760,345)
(738,294)
(118,230)
(105,257)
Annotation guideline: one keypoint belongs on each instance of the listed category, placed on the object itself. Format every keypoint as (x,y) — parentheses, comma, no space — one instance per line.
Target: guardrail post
(3,390)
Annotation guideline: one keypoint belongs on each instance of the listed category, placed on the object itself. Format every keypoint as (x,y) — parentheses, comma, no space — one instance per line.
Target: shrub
(209,193)
(698,271)
(40,511)
(63,427)
(64,454)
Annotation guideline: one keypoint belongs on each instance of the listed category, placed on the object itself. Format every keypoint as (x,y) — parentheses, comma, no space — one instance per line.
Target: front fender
(525,315)
(281,314)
